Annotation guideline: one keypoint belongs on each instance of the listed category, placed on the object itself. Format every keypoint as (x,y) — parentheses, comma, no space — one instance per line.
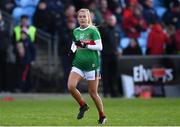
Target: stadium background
(140,73)
(52,18)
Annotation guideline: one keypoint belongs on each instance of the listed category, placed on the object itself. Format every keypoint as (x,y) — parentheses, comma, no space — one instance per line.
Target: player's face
(83,19)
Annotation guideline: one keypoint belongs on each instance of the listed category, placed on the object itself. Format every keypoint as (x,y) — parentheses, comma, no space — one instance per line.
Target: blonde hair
(87,13)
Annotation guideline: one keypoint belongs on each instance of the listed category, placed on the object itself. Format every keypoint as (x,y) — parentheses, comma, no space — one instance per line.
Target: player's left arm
(97,42)
(97,45)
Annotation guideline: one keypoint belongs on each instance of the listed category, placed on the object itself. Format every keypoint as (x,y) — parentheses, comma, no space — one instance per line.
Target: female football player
(86,47)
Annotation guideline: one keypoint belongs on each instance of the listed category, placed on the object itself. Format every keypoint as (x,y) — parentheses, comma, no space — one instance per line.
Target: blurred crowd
(127,27)
(136,21)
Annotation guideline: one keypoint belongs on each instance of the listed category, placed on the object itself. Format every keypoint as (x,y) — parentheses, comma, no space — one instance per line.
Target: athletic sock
(101,114)
(82,103)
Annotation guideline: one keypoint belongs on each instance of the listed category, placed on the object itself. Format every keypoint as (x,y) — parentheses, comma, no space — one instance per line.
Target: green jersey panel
(86,59)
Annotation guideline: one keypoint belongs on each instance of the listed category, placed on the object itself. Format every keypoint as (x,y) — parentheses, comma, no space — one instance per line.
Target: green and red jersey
(86,59)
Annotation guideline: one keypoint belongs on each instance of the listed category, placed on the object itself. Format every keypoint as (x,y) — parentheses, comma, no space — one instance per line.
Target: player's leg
(93,91)
(73,80)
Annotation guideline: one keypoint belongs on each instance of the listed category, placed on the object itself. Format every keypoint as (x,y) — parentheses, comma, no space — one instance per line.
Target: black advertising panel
(151,71)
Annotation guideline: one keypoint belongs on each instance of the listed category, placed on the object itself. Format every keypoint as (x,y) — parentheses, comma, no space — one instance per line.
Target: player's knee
(93,94)
(71,87)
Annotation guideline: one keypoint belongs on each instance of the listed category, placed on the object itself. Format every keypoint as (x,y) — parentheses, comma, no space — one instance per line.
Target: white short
(88,75)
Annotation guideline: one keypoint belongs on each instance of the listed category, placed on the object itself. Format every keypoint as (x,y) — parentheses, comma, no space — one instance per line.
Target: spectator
(43,18)
(92,5)
(156,44)
(69,15)
(175,41)
(104,9)
(172,15)
(135,24)
(113,3)
(7,5)
(170,47)
(64,44)
(128,10)
(169,3)
(24,25)
(17,38)
(110,39)
(3,54)
(117,11)
(149,12)
(133,48)
(56,8)
(25,58)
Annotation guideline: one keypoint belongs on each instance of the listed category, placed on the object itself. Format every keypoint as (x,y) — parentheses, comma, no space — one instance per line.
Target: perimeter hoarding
(151,73)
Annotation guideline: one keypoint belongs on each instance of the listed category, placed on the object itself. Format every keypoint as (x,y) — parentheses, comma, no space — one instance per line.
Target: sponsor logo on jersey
(90,42)
(88,37)
(81,36)
(93,65)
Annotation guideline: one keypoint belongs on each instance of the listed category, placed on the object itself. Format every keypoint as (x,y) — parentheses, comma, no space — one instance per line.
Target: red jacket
(133,26)
(157,40)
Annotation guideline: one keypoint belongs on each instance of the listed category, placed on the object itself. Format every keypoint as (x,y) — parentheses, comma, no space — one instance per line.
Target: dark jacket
(30,52)
(132,51)
(3,36)
(110,39)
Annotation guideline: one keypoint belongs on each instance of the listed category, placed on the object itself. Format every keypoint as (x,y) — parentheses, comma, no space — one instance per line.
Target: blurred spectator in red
(157,40)
(172,15)
(133,48)
(128,11)
(135,24)
(149,12)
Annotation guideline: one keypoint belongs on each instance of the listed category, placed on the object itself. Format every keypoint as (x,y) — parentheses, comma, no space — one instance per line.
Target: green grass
(63,111)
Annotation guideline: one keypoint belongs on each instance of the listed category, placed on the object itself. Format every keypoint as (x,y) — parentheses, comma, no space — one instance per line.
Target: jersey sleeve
(97,41)
(97,46)
(73,46)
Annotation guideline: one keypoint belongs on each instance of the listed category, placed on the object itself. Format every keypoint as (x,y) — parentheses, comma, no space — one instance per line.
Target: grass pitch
(62,111)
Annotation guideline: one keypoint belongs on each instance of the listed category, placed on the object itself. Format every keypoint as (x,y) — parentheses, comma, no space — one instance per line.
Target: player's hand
(80,44)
